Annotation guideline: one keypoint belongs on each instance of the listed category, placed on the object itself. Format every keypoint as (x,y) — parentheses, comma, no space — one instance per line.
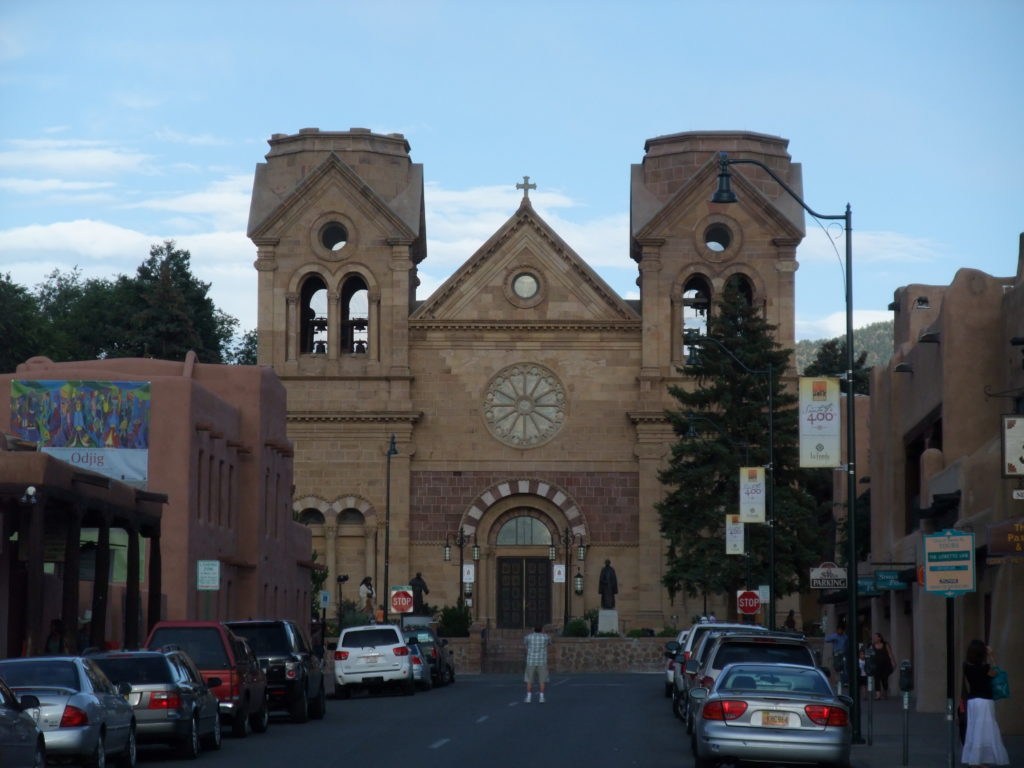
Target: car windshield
(40,674)
(202,644)
(265,639)
(363,638)
(139,670)
(781,653)
(774,680)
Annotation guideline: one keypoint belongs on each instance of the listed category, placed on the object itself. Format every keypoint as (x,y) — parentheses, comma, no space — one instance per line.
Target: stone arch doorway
(523,596)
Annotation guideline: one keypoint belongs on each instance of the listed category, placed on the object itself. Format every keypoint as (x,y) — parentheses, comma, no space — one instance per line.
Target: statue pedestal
(608,620)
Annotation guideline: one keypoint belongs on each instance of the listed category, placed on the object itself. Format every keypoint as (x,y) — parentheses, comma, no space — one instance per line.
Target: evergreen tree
(727,408)
(830,360)
(243,352)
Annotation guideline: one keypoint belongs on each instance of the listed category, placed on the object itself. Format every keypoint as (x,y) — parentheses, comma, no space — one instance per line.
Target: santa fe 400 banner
(102,426)
(819,422)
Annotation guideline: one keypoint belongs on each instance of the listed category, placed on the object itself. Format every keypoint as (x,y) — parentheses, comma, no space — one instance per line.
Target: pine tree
(727,408)
(830,360)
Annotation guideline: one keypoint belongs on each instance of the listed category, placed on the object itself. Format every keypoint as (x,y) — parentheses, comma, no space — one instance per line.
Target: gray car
(21,742)
(770,713)
(172,703)
(77,704)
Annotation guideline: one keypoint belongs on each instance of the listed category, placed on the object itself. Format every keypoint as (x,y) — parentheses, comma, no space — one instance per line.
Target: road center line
(439,743)
(481,719)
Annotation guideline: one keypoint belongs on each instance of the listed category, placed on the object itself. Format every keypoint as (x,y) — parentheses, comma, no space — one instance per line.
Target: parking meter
(870,664)
(906,676)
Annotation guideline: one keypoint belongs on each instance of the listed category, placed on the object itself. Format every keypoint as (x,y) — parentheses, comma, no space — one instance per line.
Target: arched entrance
(523,583)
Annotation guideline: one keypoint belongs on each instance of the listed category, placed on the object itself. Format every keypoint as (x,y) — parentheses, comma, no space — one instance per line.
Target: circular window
(717,237)
(334,236)
(525,405)
(525,285)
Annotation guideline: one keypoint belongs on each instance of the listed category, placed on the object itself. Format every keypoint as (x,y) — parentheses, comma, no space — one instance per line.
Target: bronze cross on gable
(526,186)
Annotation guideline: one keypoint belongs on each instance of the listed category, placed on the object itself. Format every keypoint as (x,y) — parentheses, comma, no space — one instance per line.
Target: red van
(219,652)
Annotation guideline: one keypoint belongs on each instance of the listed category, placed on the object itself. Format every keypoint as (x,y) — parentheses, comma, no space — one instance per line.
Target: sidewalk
(928,742)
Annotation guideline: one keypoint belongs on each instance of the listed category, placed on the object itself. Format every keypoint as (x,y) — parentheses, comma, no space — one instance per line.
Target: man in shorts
(536,661)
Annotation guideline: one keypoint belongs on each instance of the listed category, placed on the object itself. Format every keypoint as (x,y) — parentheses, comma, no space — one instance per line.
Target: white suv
(372,656)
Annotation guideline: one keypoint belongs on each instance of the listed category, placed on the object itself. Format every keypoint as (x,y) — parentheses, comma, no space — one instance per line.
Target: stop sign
(401,600)
(748,602)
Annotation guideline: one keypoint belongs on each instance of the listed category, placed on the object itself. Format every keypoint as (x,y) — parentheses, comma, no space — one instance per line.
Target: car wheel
(240,726)
(213,741)
(451,676)
(39,759)
(98,758)
(409,687)
(318,707)
(260,720)
(189,748)
(677,709)
(129,754)
(668,690)
(299,708)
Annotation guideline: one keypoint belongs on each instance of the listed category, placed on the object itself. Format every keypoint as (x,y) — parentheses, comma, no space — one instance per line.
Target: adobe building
(940,461)
(219,455)
(526,398)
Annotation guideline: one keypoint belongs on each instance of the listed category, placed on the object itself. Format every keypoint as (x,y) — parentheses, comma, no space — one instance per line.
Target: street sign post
(949,563)
(748,602)
(401,599)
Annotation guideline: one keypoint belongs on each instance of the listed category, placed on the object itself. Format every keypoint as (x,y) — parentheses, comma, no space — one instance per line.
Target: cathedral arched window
(742,284)
(311,516)
(355,317)
(313,316)
(350,517)
(696,305)
(524,531)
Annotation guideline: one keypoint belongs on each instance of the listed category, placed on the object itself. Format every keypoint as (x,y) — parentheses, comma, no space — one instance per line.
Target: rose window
(525,405)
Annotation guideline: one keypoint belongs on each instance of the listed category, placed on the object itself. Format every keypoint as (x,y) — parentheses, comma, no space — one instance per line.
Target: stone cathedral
(525,396)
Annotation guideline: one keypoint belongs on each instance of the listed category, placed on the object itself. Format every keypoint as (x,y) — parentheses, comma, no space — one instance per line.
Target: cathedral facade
(513,420)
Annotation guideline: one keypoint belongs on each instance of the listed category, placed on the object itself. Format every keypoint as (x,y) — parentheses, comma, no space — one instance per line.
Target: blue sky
(124,124)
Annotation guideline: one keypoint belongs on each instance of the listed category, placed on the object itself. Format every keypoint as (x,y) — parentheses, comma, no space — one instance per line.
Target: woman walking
(366,595)
(982,743)
(884,665)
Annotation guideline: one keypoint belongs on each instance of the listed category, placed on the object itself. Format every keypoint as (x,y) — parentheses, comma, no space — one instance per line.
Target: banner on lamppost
(752,493)
(733,535)
(1013,446)
(819,422)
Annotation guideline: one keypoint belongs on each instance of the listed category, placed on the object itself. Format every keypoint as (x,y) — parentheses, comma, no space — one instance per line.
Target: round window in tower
(525,285)
(717,238)
(334,236)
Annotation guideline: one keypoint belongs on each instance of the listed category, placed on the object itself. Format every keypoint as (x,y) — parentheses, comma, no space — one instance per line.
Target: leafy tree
(830,360)
(243,352)
(726,408)
(85,318)
(21,325)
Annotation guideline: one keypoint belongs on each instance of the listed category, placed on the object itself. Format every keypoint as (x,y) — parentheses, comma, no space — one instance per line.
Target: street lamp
(695,340)
(724,194)
(567,537)
(460,540)
(392,451)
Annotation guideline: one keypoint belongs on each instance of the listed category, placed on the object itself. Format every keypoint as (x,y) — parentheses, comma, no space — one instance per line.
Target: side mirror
(28,701)
(698,693)
(672,647)
(213,682)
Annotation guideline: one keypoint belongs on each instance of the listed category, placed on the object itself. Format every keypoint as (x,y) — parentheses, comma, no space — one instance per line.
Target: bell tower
(688,247)
(338,222)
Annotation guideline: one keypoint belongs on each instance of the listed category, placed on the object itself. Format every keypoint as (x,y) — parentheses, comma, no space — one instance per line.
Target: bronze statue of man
(608,586)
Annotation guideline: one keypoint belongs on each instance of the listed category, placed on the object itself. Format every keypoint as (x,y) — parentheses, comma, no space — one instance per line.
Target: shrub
(577,628)
(668,632)
(455,621)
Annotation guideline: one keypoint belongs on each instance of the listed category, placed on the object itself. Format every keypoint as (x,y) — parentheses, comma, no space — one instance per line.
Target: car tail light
(401,650)
(686,655)
(416,660)
(164,700)
(236,682)
(434,653)
(341,655)
(819,714)
(73,717)
(729,709)
(291,670)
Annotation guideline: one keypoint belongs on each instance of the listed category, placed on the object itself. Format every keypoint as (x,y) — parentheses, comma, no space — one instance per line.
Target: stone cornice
(647,417)
(410,417)
(576,326)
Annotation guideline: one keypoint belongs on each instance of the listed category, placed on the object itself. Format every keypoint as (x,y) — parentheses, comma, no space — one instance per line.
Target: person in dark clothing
(884,665)
(983,744)
(419,589)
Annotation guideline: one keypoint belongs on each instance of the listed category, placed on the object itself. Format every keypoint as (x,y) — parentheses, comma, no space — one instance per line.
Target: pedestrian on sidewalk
(885,663)
(366,595)
(536,661)
(983,744)
(840,647)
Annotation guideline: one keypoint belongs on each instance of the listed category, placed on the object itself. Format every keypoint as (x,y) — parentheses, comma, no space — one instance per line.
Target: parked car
(734,646)
(173,704)
(220,653)
(681,682)
(771,713)
(22,744)
(372,656)
(420,666)
(295,678)
(82,715)
(672,650)
(441,659)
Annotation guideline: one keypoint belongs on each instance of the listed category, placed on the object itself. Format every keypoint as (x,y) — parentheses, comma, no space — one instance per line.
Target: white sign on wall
(208,575)
(558,573)
(468,573)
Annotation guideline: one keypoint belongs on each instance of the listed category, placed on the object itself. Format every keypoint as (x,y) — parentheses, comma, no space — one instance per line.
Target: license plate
(371,659)
(775,719)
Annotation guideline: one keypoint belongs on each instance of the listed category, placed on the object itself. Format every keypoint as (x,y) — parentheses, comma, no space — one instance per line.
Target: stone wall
(577,654)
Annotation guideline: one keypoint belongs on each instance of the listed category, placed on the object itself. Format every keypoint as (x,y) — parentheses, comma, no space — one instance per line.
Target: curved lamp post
(769,467)
(567,537)
(392,451)
(460,540)
(724,194)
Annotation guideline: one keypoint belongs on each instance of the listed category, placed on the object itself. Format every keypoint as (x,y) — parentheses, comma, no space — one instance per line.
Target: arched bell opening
(313,316)
(355,317)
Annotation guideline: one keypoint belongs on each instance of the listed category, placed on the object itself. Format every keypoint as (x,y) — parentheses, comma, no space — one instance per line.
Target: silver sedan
(77,703)
(777,713)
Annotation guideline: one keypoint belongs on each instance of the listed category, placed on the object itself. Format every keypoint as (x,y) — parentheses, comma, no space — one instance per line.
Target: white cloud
(199,140)
(868,247)
(834,324)
(70,157)
(225,203)
(42,186)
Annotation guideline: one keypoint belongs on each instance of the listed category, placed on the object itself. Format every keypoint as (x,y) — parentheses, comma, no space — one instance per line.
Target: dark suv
(295,678)
(439,657)
(219,652)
